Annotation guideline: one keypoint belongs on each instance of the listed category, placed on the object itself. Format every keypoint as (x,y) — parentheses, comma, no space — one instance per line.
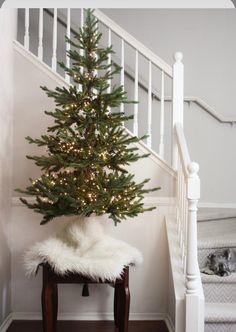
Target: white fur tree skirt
(82,247)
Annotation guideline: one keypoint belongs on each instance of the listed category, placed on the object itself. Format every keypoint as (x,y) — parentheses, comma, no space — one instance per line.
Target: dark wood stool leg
(124,302)
(55,306)
(117,304)
(49,303)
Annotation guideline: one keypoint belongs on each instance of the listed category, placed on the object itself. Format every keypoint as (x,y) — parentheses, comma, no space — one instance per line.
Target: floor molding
(6,323)
(88,316)
(169,323)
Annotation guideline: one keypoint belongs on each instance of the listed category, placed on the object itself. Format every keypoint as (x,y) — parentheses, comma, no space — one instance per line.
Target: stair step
(214,230)
(220,317)
(220,313)
(214,235)
(208,214)
(219,289)
(220,327)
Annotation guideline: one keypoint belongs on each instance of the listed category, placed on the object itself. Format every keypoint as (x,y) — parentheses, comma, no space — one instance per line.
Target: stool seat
(50,296)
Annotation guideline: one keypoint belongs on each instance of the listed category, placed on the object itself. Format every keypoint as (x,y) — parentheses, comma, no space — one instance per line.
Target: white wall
(148,282)
(7,32)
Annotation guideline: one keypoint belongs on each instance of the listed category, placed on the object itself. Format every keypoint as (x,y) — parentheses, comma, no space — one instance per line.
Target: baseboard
(87,316)
(6,323)
(169,323)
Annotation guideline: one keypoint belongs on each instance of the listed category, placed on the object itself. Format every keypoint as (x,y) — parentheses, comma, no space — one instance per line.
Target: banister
(129,39)
(143,84)
(182,148)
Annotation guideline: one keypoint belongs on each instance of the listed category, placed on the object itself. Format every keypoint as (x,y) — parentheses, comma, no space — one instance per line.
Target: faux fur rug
(83,247)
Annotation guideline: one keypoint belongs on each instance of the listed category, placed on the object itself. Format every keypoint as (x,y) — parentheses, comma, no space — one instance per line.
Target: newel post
(192,296)
(178,102)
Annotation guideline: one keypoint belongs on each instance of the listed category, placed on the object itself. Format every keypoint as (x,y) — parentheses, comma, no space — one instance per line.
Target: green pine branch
(84,169)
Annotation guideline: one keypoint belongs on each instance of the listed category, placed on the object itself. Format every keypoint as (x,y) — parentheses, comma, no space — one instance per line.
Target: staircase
(217,230)
(169,148)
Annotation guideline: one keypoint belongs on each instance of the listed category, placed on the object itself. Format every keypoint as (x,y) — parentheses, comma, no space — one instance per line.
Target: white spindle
(40,46)
(54,41)
(26,36)
(193,307)
(136,95)
(178,101)
(149,139)
(122,74)
(96,57)
(81,51)
(184,222)
(193,192)
(178,194)
(82,17)
(109,60)
(68,44)
(162,119)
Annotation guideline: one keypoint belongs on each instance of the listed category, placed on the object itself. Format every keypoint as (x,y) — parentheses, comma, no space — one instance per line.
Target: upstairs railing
(188,183)
(157,72)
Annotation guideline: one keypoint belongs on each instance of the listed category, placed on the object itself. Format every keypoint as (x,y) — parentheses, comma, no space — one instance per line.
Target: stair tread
(217,234)
(220,312)
(215,214)
(206,278)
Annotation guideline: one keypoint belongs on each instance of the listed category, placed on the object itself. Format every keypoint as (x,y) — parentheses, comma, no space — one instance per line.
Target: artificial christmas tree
(88,148)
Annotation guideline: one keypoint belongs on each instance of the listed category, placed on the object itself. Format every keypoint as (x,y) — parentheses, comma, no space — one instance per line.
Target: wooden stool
(50,298)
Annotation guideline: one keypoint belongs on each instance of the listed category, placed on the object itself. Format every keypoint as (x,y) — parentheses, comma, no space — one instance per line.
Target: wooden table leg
(117,304)
(124,302)
(55,306)
(49,303)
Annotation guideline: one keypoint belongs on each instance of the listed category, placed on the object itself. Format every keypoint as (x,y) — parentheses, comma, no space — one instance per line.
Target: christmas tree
(88,148)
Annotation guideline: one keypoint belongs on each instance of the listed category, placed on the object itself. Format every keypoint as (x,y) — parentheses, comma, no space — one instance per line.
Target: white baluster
(109,60)
(178,194)
(178,101)
(122,74)
(162,116)
(81,51)
(193,197)
(68,45)
(193,306)
(26,36)
(95,91)
(135,128)
(181,207)
(54,41)
(184,223)
(149,139)
(40,46)
(82,17)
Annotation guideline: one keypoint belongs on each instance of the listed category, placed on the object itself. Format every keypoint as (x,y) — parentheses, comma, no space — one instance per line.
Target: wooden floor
(85,326)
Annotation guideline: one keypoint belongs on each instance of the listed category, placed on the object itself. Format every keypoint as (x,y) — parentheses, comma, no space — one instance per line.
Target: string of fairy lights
(87,150)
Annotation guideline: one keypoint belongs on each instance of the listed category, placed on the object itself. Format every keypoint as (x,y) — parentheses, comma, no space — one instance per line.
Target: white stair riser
(220,327)
(220,292)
